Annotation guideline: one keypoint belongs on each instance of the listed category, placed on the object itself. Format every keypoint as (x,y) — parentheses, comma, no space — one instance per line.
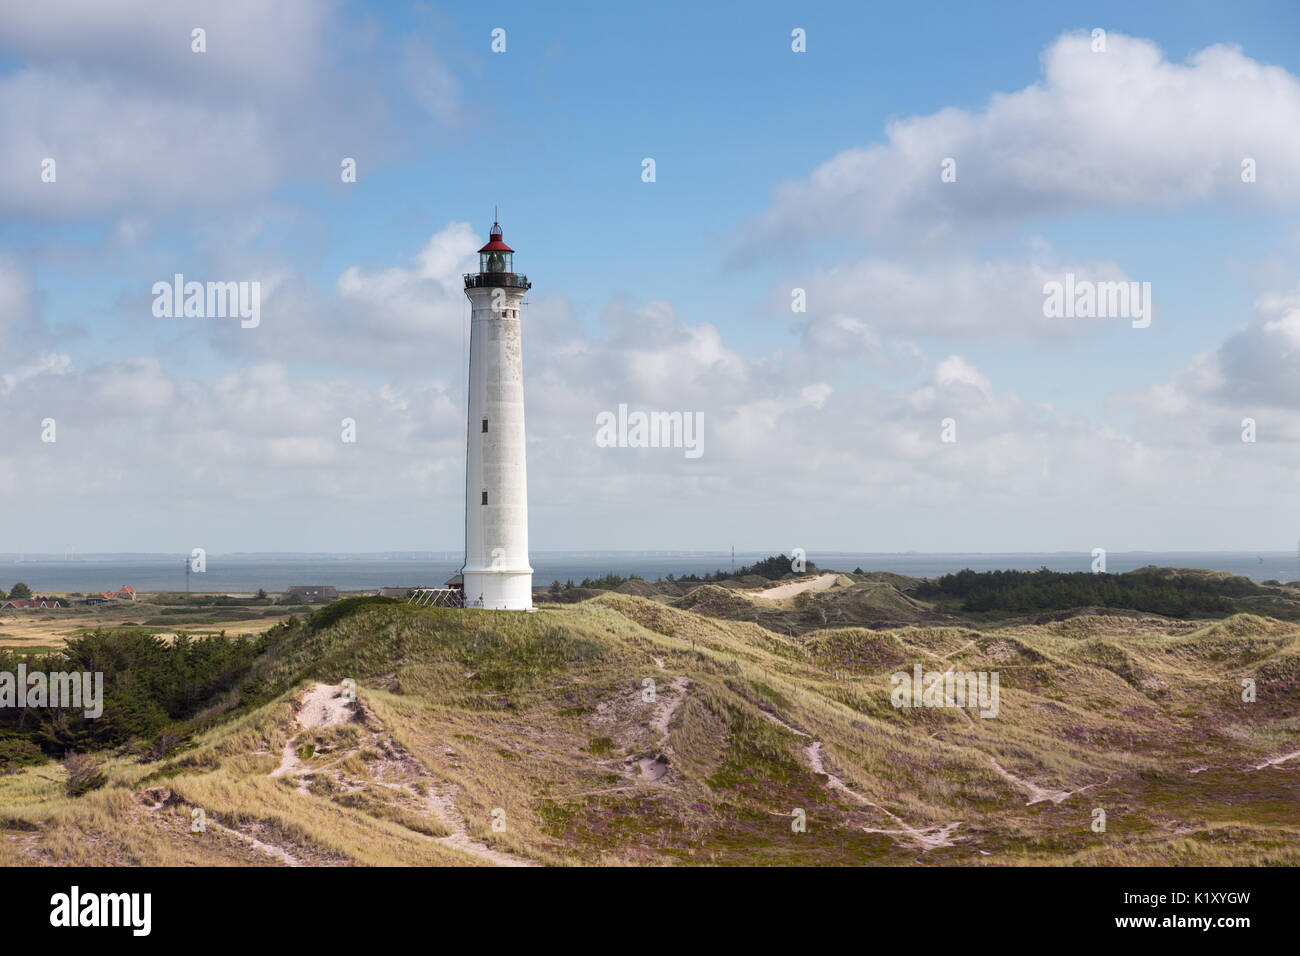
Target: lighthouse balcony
(496,280)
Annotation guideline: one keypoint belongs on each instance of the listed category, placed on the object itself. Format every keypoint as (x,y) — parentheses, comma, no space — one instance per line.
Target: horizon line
(403,553)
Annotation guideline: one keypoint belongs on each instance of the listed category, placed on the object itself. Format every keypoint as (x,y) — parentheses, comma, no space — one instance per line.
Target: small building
(93,601)
(312,594)
(125,593)
(30,604)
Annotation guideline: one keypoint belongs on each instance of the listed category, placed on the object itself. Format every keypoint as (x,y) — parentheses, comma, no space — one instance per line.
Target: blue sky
(774,170)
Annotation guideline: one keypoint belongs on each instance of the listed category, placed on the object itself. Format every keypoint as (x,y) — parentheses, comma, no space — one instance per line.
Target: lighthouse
(496,574)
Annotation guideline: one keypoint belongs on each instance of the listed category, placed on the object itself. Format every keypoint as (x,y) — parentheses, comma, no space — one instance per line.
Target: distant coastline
(247,572)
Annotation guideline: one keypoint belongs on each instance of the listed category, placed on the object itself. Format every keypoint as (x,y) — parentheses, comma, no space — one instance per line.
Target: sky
(916,176)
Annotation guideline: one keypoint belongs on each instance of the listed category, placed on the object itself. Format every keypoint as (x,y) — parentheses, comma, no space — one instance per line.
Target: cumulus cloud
(147,457)
(955,296)
(1126,127)
(50,363)
(1253,373)
(137,122)
(254,459)
(401,317)
(844,336)
(18,309)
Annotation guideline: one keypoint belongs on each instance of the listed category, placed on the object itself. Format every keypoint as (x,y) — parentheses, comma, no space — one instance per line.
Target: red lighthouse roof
(495,243)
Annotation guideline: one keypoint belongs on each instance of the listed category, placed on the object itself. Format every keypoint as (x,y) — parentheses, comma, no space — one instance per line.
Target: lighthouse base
(499,590)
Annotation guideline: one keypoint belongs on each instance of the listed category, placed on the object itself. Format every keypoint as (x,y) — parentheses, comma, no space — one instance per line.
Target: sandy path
(781,723)
(323,706)
(160,798)
(279,853)
(929,838)
(958,650)
(652,769)
(1271,762)
(790,589)
(1276,760)
(937,657)
(1036,793)
(444,807)
(960,710)
(667,706)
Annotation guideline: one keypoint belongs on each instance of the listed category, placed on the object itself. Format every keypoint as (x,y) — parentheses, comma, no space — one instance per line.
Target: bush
(149,685)
(17,752)
(337,611)
(167,742)
(774,569)
(1172,595)
(85,773)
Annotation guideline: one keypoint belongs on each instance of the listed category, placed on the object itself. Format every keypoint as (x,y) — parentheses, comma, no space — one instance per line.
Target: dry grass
(40,630)
(539,720)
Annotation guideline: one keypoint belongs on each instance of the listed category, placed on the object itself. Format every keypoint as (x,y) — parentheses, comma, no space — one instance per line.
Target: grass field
(42,630)
(621,730)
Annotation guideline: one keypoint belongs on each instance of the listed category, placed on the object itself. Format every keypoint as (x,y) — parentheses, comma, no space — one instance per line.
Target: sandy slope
(324,706)
(790,589)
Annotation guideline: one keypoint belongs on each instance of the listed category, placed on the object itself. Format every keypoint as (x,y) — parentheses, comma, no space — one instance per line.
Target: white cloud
(1126,127)
(51,363)
(254,460)
(1252,371)
(250,44)
(953,296)
(17,299)
(138,123)
(956,371)
(401,317)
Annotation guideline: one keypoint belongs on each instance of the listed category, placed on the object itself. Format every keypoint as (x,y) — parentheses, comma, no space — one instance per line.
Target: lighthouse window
(485,426)
(485,497)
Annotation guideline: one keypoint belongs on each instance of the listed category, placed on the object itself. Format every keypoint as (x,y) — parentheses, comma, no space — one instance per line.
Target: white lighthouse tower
(496,574)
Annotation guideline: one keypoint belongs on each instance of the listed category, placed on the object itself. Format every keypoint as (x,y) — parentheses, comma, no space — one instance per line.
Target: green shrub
(1173,595)
(17,752)
(85,773)
(338,610)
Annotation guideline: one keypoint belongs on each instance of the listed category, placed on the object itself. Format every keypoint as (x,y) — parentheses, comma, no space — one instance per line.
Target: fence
(436,597)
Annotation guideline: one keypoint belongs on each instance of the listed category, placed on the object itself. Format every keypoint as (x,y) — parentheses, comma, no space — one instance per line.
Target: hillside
(795,604)
(543,725)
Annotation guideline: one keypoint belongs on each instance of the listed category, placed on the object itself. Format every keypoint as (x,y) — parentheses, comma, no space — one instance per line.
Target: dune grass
(537,728)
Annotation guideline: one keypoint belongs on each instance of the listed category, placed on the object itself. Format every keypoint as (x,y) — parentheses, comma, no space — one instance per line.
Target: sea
(244,573)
